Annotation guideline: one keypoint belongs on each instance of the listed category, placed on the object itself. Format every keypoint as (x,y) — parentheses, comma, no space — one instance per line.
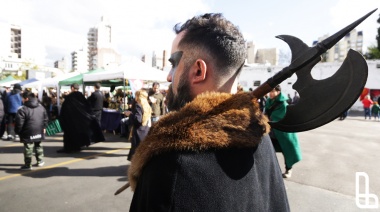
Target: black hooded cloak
(78,123)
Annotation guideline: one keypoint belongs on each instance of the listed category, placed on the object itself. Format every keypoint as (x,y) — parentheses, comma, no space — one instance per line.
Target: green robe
(288,141)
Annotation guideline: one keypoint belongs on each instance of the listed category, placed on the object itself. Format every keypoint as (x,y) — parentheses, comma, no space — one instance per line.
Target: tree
(373,51)
(284,57)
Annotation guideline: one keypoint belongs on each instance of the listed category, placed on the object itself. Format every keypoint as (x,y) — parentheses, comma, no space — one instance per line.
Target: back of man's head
(17,86)
(28,95)
(97,85)
(216,39)
(74,86)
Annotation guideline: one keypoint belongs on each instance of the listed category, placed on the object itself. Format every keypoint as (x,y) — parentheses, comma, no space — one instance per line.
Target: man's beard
(176,102)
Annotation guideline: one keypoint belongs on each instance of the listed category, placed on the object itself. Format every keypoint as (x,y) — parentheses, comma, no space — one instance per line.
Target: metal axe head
(321,101)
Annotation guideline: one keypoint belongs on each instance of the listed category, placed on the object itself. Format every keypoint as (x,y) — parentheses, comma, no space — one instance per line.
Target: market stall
(131,70)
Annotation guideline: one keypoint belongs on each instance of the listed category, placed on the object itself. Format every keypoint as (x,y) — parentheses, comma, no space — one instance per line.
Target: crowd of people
(79,116)
(371,108)
(215,140)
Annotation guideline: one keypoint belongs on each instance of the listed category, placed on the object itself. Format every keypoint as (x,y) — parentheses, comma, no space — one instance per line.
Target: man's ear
(198,71)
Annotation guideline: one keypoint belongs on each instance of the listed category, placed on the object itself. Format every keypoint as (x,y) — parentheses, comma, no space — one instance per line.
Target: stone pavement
(323,181)
(332,154)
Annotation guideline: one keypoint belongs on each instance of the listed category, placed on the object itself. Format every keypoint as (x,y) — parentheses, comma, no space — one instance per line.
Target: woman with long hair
(140,119)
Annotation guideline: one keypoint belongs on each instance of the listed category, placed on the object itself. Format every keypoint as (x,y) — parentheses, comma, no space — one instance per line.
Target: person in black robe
(78,123)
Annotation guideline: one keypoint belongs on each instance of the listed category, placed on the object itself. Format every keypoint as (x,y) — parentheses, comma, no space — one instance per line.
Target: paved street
(323,181)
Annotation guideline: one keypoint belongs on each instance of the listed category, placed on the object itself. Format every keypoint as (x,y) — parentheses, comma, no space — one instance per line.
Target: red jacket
(367,103)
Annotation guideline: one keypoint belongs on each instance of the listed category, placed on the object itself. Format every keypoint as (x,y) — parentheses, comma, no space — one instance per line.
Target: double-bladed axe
(321,101)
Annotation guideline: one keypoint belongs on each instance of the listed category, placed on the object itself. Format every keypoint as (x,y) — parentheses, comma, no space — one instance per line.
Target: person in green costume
(284,142)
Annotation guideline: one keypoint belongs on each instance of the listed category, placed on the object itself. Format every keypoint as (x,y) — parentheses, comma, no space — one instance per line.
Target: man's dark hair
(17,86)
(216,39)
(97,85)
(112,88)
(28,94)
(75,86)
(155,83)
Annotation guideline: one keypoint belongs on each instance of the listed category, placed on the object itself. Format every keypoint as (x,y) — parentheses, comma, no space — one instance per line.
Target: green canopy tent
(8,81)
(78,78)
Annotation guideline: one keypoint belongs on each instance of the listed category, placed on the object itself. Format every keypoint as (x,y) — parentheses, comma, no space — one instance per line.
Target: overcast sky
(138,27)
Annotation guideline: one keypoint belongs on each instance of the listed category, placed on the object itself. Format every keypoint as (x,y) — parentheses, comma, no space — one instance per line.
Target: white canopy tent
(130,70)
(50,82)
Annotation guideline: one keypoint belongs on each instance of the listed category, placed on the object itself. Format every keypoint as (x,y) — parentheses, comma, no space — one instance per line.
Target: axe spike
(332,40)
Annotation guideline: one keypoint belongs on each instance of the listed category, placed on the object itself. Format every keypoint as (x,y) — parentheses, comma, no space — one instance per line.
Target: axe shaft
(262,90)
(122,188)
(272,82)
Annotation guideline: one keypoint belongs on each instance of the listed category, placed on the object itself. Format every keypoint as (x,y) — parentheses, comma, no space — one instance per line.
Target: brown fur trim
(210,121)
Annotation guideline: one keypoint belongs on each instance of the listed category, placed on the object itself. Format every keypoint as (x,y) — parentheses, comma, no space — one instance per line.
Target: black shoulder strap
(272,108)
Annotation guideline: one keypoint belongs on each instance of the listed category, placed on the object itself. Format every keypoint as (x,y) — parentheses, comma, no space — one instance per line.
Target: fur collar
(210,121)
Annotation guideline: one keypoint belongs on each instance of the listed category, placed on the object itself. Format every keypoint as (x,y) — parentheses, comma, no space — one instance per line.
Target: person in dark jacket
(2,112)
(13,103)
(47,103)
(140,119)
(3,122)
(212,151)
(79,125)
(31,122)
(96,102)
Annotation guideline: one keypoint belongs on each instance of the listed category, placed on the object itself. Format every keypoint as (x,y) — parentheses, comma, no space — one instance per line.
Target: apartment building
(100,52)
(353,40)
(79,61)
(261,56)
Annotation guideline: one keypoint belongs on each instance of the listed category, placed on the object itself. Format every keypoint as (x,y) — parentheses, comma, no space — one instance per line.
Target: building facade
(251,52)
(10,42)
(100,52)
(265,56)
(79,61)
(158,59)
(261,56)
(353,40)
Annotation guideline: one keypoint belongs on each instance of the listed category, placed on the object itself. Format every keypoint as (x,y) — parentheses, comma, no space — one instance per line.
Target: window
(257,83)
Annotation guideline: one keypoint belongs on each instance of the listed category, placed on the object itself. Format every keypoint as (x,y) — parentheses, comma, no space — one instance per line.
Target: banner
(365,92)
(375,94)
(135,85)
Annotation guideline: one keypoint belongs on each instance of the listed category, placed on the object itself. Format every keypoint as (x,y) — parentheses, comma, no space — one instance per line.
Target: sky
(59,27)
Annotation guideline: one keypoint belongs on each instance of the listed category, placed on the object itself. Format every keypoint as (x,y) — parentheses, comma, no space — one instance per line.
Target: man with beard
(212,151)
(156,101)
(78,123)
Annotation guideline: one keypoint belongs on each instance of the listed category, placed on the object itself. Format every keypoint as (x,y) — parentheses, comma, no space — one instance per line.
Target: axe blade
(321,101)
